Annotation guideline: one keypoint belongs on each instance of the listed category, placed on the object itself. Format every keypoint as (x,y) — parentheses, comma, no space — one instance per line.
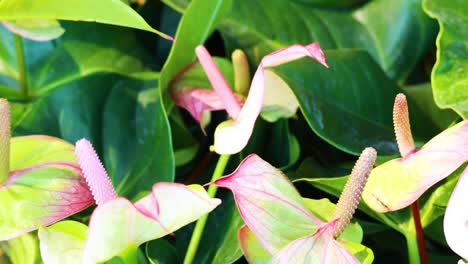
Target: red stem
(419,233)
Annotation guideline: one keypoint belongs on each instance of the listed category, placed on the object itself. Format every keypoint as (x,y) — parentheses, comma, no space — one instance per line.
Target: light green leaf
(198,22)
(36,29)
(449,75)
(112,12)
(17,247)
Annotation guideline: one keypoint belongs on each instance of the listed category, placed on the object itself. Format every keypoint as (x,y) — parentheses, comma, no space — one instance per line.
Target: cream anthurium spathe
(40,180)
(118,225)
(418,169)
(276,217)
(265,90)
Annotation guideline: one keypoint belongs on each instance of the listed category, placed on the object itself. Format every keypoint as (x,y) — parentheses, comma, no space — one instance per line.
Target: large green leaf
(103,11)
(144,145)
(449,75)
(86,49)
(350,104)
(198,22)
(276,24)
(78,97)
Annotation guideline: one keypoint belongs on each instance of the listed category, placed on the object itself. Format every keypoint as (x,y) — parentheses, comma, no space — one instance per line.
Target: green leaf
(276,24)
(324,209)
(36,29)
(399,220)
(198,22)
(134,108)
(86,50)
(63,242)
(422,96)
(362,253)
(160,251)
(219,245)
(449,75)
(351,120)
(105,11)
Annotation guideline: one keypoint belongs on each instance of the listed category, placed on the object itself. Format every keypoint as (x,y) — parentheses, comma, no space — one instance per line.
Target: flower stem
(21,66)
(419,233)
(200,225)
(413,249)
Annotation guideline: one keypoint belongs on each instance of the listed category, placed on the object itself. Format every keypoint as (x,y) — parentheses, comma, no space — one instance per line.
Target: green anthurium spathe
(41,182)
(118,224)
(277,218)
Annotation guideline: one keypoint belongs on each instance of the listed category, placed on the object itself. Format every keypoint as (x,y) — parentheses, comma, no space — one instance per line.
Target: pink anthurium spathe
(117,224)
(418,169)
(40,181)
(275,214)
(233,135)
(196,96)
(456,217)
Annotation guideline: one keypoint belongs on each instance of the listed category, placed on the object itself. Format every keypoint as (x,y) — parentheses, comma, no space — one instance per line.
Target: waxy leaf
(45,185)
(456,217)
(419,171)
(36,29)
(319,247)
(200,19)
(357,118)
(365,28)
(269,204)
(105,11)
(449,75)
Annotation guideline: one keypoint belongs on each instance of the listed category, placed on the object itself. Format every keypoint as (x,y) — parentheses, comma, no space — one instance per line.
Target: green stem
(413,249)
(21,66)
(200,225)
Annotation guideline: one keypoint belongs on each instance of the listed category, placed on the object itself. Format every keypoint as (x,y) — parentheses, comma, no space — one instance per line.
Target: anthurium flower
(192,92)
(118,224)
(267,91)
(456,217)
(275,214)
(417,169)
(40,180)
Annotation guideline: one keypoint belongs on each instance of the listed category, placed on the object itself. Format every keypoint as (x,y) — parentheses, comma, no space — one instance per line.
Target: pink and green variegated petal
(279,101)
(41,195)
(232,136)
(35,29)
(198,101)
(251,247)
(319,248)
(27,151)
(169,207)
(456,217)
(269,204)
(419,171)
(63,242)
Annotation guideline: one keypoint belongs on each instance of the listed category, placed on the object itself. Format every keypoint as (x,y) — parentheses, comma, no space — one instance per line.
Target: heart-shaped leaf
(449,75)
